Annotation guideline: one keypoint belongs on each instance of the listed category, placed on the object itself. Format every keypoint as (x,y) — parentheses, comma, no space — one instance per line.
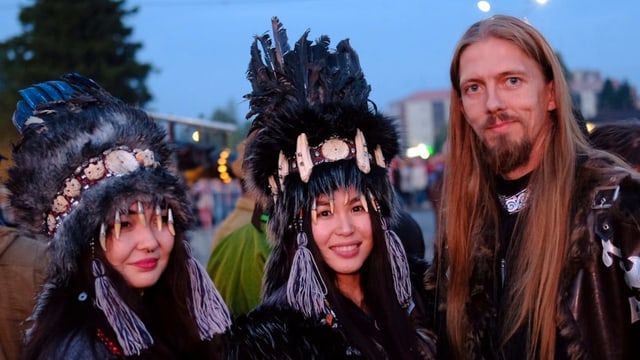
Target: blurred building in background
(423,117)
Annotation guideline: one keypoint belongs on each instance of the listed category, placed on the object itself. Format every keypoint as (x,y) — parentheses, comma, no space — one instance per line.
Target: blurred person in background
(240,250)
(243,210)
(202,191)
(236,265)
(23,264)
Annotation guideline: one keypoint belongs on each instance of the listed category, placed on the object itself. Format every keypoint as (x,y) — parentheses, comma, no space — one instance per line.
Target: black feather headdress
(314,131)
(83,158)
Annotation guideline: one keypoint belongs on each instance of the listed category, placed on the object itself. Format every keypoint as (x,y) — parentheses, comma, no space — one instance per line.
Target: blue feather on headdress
(71,85)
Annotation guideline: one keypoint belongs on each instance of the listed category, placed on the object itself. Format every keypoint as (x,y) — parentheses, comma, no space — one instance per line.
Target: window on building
(439,116)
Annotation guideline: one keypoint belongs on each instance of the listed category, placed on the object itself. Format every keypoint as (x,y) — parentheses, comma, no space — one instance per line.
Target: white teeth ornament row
(117,225)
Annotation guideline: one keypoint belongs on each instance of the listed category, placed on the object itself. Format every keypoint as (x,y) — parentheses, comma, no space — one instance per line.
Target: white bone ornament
(283,168)
(314,212)
(609,249)
(33,120)
(102,237)
(362,154)
(170,222)
(632,276)
(363,201)
(121,162)
(158,212)
(274,188)
(377,153)
(145,157)
(634,305)
(335,149)
(117,225)
(303,158)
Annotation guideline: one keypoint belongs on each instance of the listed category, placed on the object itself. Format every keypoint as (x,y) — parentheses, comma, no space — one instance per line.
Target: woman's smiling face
(343,236)
(141,252)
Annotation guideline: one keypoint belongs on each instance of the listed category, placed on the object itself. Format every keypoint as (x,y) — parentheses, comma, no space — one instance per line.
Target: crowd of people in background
(214,199)
(416,180)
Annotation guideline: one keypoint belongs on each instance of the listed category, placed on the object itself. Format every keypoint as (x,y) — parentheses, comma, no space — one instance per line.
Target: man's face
(506,100)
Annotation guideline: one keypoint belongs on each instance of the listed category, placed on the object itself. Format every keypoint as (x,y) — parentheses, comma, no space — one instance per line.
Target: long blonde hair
(468,202)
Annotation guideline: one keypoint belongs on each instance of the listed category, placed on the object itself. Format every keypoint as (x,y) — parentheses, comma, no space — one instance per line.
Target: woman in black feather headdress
(338,283)
(96,179)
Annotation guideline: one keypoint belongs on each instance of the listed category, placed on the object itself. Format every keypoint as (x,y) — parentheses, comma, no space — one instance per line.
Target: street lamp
(532,5)
(484,6)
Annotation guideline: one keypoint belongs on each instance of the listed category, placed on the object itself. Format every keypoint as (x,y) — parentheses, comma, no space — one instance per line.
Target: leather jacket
(600,306)
(598,314)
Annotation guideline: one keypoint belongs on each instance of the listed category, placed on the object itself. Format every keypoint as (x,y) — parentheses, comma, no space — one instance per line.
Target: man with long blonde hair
(538,254)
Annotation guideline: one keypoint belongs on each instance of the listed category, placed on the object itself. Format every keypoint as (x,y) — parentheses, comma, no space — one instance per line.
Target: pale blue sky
(201,47)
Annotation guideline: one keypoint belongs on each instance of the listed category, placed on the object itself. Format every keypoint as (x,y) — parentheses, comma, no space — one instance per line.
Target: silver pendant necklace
(514,203)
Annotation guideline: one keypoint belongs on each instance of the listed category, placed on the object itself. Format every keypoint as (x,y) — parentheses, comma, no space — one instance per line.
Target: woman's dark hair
(379,296)
(162,307)
(64,317)
(620,138)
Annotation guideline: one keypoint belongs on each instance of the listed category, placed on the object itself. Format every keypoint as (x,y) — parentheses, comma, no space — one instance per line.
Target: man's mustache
(492,119)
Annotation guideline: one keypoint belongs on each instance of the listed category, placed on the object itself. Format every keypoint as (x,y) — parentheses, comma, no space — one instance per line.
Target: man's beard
(506,155)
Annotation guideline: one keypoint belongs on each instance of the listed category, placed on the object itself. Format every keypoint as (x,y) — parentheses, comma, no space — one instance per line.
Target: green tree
(626,96)
(229,114)
(607,96)
(226,114)
(568,75)
(60,36)
(616,97)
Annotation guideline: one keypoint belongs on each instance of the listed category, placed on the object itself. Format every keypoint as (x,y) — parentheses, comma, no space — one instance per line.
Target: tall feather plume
(297,67)
(281,40)
(284,79)
(350,82)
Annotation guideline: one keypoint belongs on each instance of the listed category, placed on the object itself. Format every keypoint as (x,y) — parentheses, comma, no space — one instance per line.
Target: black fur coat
(275,331)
